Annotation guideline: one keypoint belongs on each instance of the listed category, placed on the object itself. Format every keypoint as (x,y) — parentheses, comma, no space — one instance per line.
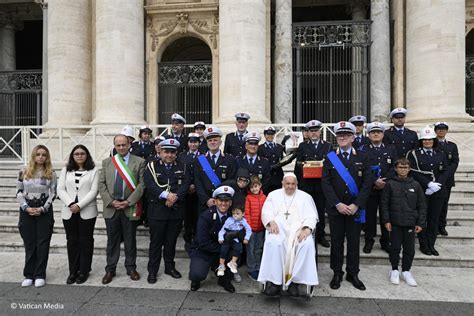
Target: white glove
(429,191)
(434,186)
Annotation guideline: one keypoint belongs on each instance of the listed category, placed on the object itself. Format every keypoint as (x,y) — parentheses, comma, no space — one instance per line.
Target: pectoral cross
(286,214)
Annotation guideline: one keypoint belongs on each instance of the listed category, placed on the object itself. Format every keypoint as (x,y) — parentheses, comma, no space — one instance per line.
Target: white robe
(284,259)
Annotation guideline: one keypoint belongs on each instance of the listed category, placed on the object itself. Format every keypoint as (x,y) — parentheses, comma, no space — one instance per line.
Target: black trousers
(120,226)
(402,236)
(163,237)
(191,216)
(36,233)
(200,265)
(370,226)
(434,204)
(444,210)
(344,227)
(80,243)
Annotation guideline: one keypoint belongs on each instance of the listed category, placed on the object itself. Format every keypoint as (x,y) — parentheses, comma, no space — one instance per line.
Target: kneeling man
(289,255)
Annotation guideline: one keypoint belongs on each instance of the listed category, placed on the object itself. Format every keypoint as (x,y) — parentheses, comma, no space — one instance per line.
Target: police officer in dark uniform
(359,138)
(177,131)
(402,138)
(199,128)
(167,182)
(192,210)
(222,166)
(256,165)
(273,152)
(345,210)
(450,149)
(143,147)
(156,149)
(204,252)
(315,149)
(234,142)
(430,168)
(381,162)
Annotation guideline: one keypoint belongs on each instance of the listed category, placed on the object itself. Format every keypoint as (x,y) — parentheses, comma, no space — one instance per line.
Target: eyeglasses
(79,154)
(243,180)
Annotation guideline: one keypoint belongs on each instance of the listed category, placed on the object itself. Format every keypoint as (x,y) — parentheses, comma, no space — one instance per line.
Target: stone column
(283,62)
(380,61)
(120,62)
(44,6)
(69,62)
(242,60)
(435,50)
(7,43)
(359,13)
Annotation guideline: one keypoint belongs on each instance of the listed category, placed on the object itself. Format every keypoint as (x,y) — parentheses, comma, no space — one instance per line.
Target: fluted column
(7,43)
(283,62)
(69,62)
(435,52)
(119,66)
(242,60)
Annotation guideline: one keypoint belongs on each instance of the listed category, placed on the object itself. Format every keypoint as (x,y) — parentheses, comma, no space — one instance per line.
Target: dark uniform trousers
(191,211)
(402,236)
(434,205)
(370,226)
(345,226)
(36,233)
(451,151)
(165,222)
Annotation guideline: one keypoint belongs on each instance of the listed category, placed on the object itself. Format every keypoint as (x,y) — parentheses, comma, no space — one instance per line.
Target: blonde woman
(77,188)
(36,191)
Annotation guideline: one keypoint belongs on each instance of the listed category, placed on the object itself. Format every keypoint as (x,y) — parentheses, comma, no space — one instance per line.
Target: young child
(403,211)
(229,237)
(253,215)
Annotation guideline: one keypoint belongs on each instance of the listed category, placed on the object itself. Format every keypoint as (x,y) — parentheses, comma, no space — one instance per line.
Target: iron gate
(330,70)
(185,88)
(470,85)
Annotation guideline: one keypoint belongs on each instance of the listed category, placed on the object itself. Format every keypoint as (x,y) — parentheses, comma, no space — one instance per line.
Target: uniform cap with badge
(242,116)
(178,118)
(427,133)
(313,125)
(375,127)
(193,137)
(224,192)
(358,120)
(171,144)
(441,125)
(344,127)
(199,124)
(211,132)
(158,139)
(269,130)
(252,138)
(398,112)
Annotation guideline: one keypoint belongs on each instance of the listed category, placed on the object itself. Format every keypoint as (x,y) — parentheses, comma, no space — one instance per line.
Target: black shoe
(272,289)
(336,281)
(354,279)
(195,285)
(71,279)
(368,246)
(323,242)
(151,278)
(173,273)
(434,252)
(425,250)
(82,278)
(226,285)
(293,290)
(443,231)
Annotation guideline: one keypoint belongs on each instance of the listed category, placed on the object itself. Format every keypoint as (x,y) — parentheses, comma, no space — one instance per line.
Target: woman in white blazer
(77,188)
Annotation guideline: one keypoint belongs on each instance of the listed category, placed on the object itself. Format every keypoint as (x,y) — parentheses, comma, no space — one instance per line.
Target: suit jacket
(451,151)
(403,143)
(233,146)
(107,181)
(86,194)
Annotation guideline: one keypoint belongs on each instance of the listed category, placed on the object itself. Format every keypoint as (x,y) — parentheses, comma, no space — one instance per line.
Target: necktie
(358,139)
(118,187)
(168,166)
(270,145)
(377,148)
(345,155)
(251,161)
(223,219)
(240,137)
(430,153)
(400,131)
(214,159)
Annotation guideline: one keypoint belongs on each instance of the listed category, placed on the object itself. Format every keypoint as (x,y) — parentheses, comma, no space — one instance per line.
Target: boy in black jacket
(403,210)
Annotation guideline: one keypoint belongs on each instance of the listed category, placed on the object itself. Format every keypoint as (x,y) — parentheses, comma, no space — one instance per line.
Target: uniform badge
(389,161)
(180,182)
(224,176)
(440,167)
(450,156)
(260,176)
(359,173)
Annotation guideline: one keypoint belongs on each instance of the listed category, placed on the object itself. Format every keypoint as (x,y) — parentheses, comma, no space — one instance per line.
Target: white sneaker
(408,278)
(27,282)
(221,270)
(237,277)
(395,277)
(39,282)
(232,266)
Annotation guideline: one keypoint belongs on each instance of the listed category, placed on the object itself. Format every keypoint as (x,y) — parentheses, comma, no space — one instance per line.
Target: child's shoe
(395,277)
(220,270)
(27,282)
(39,282)
(237,277)
(232,266)
(408,278)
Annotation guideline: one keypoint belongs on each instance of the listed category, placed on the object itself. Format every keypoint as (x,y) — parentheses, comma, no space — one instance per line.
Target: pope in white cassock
(289,256)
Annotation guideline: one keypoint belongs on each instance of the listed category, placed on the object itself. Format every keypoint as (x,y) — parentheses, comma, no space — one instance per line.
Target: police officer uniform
(346,226)
(142,148)
(450,149)
(202,141)
(312,151)
(182,139)
(156,156)
(222,165)
(256,165)
(430,168)
(359,140)
(273,152)
(165,222)
(381,159)
(403,139)
(234,142)
(204,252)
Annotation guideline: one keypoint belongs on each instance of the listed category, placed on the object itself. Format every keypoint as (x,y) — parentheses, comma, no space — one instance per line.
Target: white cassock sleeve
(308,212)
(269,210)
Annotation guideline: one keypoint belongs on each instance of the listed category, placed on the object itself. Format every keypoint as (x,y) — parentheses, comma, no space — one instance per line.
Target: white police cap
(127,131)
(193,136)
(344,127)
(178,118)
(252,137)
(242,116)
(427,133)
(358,118)
(313,124)
(224,192)
(441,125)
(169,143)
(375,126)
(212,131)
(200,124)
(158,139)
(269,130)
(396,111)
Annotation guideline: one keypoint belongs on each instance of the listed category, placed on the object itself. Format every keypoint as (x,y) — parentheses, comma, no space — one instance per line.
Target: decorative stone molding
(7,19)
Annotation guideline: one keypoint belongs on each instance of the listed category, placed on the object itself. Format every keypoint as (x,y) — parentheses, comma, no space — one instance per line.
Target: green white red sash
(130,182)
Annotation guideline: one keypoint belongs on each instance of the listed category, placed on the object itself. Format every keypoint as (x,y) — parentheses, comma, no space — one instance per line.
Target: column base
(431,116)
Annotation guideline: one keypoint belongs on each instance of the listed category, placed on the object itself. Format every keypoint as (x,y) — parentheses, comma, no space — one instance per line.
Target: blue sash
(359,217)
(206,167)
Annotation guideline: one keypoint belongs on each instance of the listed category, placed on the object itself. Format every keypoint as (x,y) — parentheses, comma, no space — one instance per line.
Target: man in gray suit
(121,187)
